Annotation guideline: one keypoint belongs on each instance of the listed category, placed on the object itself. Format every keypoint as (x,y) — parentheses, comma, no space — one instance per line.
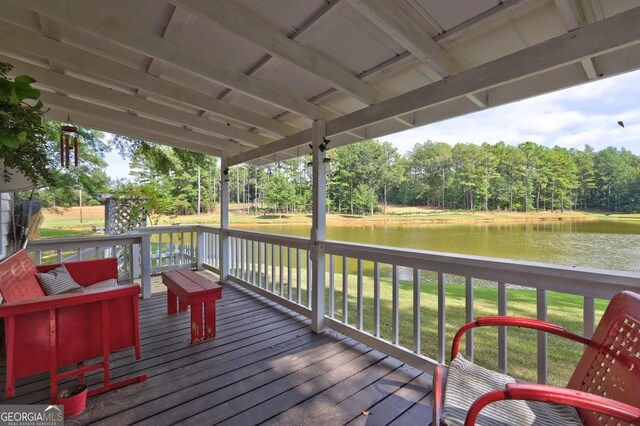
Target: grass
(565,310)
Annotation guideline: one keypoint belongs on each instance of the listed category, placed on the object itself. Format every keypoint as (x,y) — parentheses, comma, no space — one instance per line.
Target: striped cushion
(467,381)
(57,281)
(104,284)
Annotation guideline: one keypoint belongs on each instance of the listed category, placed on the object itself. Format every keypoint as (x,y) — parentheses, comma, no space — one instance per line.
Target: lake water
(605,244)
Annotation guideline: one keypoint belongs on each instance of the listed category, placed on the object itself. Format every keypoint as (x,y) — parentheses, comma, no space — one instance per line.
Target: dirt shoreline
(398,215)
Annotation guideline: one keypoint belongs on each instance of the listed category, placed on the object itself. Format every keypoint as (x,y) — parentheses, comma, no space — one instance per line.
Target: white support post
(145,260)
(224,219)
(318,233)
(200,248)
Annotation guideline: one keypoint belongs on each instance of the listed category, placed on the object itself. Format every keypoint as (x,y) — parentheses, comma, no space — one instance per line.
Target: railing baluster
(309,285)
(332,286)
(502,331)
(38,257)
(589,316)
(281,260)
(541,314)
(442,325)
(345,290)
(273,268)
(182,259)
(243,262)
(376,299)
(360,296)
(468,316)
(395,305)
(416,311)
(59,256)
(260,263)
(289,272)
(171,260)
(298,276)
(266,266)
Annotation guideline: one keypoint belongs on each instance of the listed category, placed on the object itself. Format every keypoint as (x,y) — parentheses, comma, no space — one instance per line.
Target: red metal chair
(604,387)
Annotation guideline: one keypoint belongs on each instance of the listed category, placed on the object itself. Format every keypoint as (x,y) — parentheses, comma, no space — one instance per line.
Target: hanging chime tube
(75,151)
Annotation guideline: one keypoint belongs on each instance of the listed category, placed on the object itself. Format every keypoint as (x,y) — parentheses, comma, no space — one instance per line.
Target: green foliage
(22,135)
(364,199)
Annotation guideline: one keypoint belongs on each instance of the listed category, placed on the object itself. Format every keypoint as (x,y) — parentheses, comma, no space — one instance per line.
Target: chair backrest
(610,365)
(17,278)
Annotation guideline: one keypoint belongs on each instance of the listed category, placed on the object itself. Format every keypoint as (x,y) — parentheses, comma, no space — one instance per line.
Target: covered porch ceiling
(245,79)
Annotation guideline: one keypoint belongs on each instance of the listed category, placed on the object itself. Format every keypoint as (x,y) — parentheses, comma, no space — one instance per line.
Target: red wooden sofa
(46,333)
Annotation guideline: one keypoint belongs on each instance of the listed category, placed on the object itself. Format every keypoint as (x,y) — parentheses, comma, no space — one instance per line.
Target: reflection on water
(597,244)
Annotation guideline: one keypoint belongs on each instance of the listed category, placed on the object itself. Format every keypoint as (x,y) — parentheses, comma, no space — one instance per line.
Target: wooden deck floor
(264,366)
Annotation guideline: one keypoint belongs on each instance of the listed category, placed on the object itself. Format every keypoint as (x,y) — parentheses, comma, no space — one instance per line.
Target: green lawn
(565,310)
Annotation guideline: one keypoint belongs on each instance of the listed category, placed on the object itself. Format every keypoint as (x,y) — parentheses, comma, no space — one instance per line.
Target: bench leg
(196,322)
(210,319)
(9,336)
(171,302)
(183,306)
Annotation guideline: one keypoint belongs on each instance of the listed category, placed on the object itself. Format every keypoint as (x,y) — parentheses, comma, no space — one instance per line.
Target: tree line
(361,178)
(366,176)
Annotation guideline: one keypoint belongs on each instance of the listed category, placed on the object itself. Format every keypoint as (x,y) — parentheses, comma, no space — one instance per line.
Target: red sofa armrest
(556,395)
(87,272)
(68,299)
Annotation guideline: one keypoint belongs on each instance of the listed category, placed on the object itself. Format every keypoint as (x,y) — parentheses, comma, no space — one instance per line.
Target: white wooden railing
(278,267)
(388,298)
(131,250)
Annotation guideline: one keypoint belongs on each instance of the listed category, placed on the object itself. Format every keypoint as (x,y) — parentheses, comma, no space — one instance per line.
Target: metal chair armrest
(522,322)
(555,395)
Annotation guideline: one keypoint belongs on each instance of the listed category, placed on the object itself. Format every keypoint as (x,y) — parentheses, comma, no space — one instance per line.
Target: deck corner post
(145,260)
(224,219)
(318,228)
(200,244)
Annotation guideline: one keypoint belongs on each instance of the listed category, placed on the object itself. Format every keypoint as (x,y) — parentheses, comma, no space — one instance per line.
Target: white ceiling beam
(573,19)
(174,31)
(73,106)
(51,29)
(615,33)
(14,39)
(122,100)
(123,130)
(98,18)
(258,30)
(401,22)
(485,21)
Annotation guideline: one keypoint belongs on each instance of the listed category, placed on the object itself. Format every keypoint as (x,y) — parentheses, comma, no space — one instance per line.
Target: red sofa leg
(9,333)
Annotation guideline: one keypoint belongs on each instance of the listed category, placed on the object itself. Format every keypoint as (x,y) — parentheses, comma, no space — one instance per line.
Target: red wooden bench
(48,333)
(193,290)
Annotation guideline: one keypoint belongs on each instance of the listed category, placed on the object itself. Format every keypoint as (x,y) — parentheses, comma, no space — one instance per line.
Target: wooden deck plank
(357,394)
(264,365)
(397,402)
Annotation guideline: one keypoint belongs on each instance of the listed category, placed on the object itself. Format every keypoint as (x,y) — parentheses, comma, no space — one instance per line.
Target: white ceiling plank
(486,21)
(125,101)
(102,20)
(51,29)
(399,20)
(401,23)
(614,33)
(13,39)
(176,27)
(74,106)
(242,22)
(331,11)
(123,130)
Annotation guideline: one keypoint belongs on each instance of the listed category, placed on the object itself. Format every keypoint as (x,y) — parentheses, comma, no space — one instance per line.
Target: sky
(572,118)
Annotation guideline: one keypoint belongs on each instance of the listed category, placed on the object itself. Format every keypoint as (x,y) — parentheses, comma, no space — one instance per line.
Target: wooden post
(145,260)
(224,219)
(318,228)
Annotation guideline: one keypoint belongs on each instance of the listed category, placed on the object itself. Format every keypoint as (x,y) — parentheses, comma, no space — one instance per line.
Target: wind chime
(68,135)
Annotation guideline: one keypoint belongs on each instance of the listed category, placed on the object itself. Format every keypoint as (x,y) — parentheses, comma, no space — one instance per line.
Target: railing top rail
(576,280)
(82,242)
(285,240)
(164,229)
